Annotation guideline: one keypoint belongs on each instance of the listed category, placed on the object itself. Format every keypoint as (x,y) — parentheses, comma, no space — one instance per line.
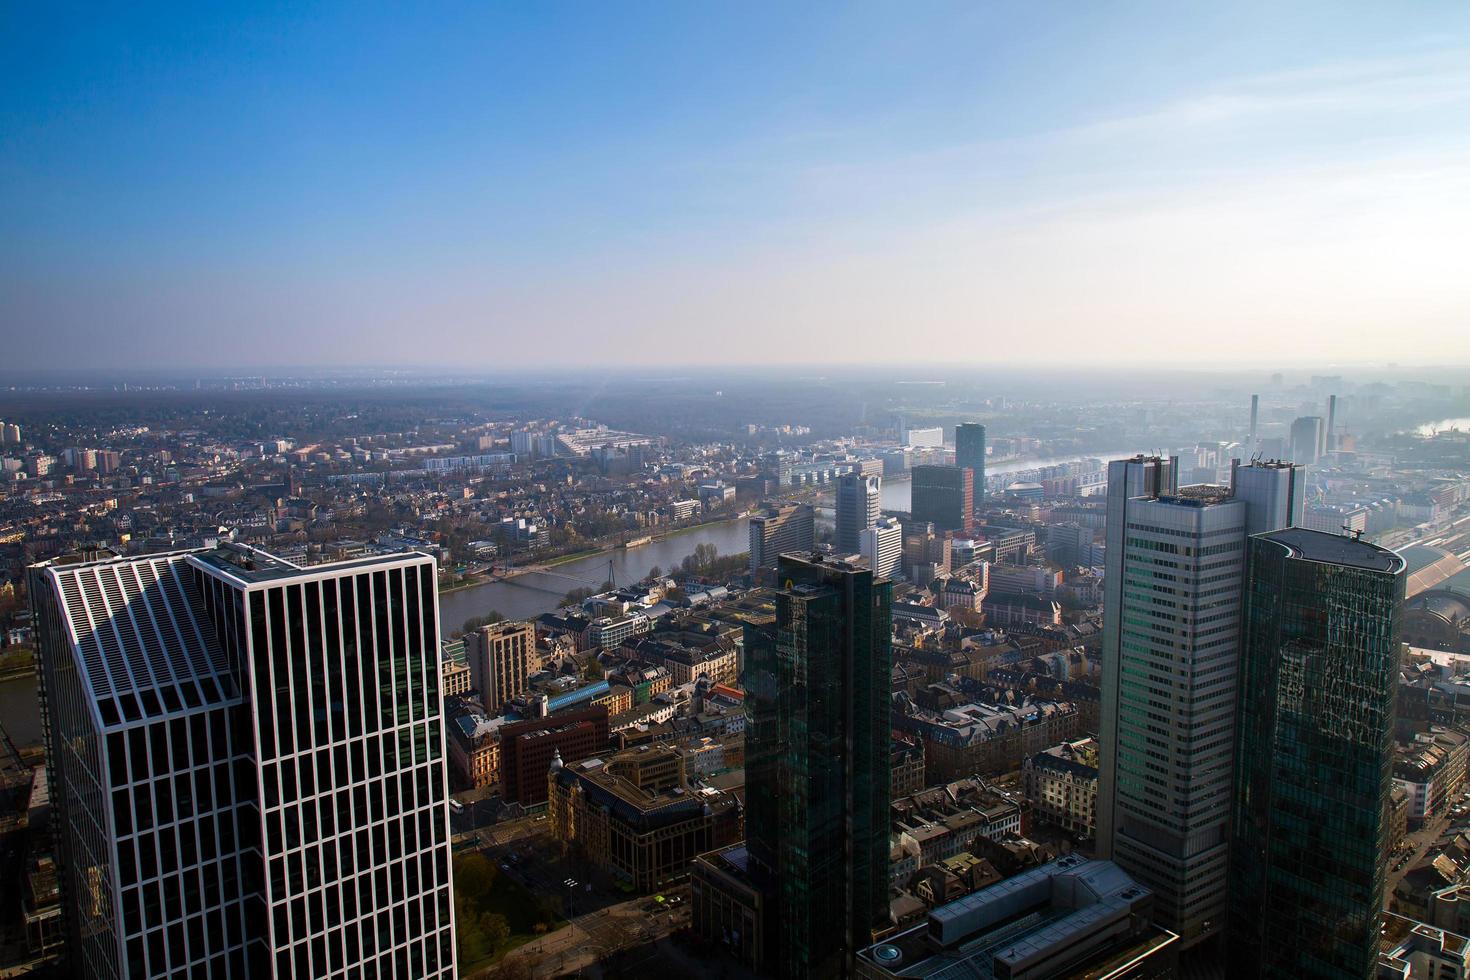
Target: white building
(882,545)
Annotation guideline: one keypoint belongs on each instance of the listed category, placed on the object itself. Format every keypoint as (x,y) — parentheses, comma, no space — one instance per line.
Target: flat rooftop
(1336,549)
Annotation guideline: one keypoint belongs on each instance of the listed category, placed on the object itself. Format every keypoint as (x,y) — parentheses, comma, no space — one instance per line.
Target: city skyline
(377,188)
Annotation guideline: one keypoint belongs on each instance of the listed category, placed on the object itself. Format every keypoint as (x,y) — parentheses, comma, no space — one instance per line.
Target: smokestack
(1331,417)
(1255,410)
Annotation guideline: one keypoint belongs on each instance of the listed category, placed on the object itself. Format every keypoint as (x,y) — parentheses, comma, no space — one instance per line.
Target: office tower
(944,496)
(817,757)
(1313,756)
(1274,492)
(499,658)
(1329,441)
(248,765)
(777,529)
(857,509)
(1172,602)
(969,453)
(1250,444)
(1306,440)
(9,434)
(882,545)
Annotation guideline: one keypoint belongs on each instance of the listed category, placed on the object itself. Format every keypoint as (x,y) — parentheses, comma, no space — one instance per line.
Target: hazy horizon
(474,188)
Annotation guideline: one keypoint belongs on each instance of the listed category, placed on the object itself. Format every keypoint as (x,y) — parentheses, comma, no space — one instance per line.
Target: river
(530,595)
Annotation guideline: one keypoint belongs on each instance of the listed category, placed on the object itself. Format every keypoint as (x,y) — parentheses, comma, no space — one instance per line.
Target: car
(504,866)
(456,806)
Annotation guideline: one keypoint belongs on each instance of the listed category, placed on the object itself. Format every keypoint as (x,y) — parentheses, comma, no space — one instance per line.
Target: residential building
(1061,786)
(882,545)
(1313,768)
(474,747)
(1069,919)
(817,807)
(969,454)
(906,769)
(857,510)
(1172,614)
(1411,950)
(636,817)
(247,764)
(943,496)
(499,656)
(780,529)
(455,678)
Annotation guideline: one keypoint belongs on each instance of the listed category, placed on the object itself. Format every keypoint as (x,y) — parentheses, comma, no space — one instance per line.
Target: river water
(530,595)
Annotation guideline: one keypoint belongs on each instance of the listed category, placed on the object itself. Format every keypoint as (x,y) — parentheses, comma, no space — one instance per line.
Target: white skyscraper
(247,763)
(858,501)
(882,545)
(1173,597)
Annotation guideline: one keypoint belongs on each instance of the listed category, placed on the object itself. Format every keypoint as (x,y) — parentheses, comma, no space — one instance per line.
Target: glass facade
(1313,759)
(250,766)
(969,453)
(944,496)
(817,760)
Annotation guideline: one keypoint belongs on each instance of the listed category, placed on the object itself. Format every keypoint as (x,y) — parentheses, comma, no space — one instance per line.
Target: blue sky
(541,183)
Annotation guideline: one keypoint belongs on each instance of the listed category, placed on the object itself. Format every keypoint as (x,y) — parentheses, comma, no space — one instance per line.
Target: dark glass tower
(817,741)
(969,453)
(1313,763)
(944,496)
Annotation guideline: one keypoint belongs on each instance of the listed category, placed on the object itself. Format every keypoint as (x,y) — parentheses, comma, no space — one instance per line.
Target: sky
(544,184)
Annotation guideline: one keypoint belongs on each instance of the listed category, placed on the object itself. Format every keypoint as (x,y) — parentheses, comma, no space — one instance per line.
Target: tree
(575,596)
(655,572)
(593,671)
(475,622)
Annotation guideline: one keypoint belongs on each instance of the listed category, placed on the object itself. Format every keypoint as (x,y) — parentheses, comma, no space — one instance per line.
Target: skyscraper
(858,499)
(1313,756)
(1173,595)
(944,496)
(777,529)
(1306,440)
(817,757)
(248,764)
(969,453)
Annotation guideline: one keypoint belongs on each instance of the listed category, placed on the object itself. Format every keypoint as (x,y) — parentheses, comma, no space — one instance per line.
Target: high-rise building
(858,499)
(1173,598)
(882,545)
(944,496)
(1250,444)
(817,758)
(1306,440)
(778,529)
(499,657)
(969,453)
(1313,766)
(247,764)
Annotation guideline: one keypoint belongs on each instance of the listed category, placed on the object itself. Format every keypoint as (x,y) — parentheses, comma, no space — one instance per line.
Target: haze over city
(572,184)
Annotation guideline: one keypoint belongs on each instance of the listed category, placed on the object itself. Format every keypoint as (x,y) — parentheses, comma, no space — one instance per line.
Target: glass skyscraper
(248,765)
(969,453)
(944,496)
(1313,756)
(817,758)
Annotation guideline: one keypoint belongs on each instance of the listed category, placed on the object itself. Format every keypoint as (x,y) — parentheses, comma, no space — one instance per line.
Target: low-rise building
(1070,918)
(1412,950)
(1061,786)
(635,815)
(527,748)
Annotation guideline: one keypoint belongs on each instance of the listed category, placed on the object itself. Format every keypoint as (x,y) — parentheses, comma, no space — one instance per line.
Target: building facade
(499,656)
(1173,602)
(778,529)
(817,757)
(944,496)
(1314,756)
(527,748)
(882,546)
(248,763)
(969,454)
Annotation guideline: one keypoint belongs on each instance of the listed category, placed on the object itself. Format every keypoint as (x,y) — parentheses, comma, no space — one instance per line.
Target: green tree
(475,622)
(593,671)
